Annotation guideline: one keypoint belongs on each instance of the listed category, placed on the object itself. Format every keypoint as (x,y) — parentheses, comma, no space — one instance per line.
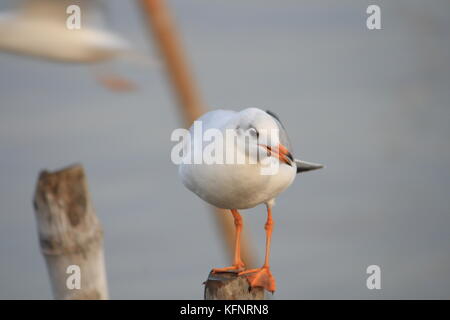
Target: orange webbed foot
(261,277)
(234,268)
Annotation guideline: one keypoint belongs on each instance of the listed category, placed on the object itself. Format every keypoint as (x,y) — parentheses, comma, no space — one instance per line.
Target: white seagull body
(260,137)
(38,28)
(239,186)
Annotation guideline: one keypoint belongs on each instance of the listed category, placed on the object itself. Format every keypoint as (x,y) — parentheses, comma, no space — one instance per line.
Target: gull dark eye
(253,132)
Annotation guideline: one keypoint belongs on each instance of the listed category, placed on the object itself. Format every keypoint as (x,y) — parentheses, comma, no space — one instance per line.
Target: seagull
(38,28)
(261,140)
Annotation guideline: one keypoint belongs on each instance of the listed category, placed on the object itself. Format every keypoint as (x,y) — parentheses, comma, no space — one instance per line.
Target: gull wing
(55,10)
(284,138)
(302,166)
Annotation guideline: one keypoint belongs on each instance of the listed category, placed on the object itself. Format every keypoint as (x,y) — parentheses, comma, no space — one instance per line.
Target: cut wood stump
(70,234)
(230,286)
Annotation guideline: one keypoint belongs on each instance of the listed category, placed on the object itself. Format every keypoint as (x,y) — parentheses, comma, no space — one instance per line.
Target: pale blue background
(371,105)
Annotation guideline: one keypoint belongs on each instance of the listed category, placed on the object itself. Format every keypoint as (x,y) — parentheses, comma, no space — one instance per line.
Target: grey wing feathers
(302,166)
(284,139)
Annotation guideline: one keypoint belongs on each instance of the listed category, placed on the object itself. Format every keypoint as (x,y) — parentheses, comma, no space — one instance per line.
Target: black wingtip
(273,114)
(303,166)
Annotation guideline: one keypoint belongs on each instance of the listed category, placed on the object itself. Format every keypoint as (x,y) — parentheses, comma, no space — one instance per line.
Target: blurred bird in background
(39,29)
(236,186)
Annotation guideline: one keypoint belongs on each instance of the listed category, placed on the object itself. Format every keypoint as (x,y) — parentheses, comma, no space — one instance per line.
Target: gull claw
(237,268)
(261,277)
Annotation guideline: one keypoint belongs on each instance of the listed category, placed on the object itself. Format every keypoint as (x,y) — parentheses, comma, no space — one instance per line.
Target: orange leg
(238,265)
(262,277)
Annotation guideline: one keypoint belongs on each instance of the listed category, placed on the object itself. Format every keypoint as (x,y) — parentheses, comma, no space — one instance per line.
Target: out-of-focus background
(371,105)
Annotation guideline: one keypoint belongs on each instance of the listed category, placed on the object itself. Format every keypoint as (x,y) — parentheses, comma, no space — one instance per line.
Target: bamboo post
(189,101)
(70,235)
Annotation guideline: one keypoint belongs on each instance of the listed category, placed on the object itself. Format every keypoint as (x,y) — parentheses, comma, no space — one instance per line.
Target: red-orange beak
(282,153)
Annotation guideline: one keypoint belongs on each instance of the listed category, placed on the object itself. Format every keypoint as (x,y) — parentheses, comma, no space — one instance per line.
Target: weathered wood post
(70,234)
(230,286)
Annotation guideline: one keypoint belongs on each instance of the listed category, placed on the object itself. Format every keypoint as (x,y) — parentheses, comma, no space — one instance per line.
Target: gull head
(258,136)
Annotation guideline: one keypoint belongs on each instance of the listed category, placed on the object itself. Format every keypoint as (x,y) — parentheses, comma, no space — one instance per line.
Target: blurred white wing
(92,11)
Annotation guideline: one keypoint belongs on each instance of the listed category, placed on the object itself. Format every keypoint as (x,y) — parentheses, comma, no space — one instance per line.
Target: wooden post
(70,234)
(190,102)
(230,286)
